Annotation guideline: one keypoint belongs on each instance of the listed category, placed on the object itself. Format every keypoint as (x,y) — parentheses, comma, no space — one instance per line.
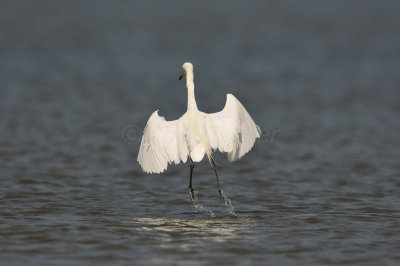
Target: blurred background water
(79,79)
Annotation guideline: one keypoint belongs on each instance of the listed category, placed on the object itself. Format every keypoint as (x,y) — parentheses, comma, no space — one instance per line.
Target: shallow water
(79,80)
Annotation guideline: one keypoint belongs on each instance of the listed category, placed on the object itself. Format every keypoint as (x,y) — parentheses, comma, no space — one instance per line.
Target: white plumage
(196,133)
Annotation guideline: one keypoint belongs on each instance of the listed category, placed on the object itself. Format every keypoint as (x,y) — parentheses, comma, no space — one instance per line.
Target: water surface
(79,80)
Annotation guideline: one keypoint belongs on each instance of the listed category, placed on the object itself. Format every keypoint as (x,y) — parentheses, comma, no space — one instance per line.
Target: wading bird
(196,134)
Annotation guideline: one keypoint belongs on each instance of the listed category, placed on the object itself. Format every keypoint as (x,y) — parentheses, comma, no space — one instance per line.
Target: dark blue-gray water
(79,79)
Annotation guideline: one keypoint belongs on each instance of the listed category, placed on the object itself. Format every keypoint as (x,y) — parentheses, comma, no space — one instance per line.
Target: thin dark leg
(221,192)
(191,191)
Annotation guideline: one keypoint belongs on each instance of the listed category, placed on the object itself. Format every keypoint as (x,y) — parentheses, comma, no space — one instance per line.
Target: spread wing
(232,130)
(163,142)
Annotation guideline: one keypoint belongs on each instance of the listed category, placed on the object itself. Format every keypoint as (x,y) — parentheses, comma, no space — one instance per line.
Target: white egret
(196,134)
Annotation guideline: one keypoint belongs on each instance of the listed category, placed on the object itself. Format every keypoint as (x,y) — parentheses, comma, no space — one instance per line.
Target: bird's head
(186,67)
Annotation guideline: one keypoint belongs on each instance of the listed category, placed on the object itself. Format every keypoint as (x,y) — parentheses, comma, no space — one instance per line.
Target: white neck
(190,87)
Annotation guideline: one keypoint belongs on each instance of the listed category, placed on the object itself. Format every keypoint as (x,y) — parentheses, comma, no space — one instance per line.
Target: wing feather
(232,130)
(163,142)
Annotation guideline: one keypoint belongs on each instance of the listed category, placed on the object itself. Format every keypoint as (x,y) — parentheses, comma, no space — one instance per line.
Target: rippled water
(79,80)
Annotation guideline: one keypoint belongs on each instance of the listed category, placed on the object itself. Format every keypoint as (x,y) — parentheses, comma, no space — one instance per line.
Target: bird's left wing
(232,130)
(163,142)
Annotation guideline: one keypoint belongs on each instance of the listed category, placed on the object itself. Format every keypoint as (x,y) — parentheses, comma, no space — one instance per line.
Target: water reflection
(198,230)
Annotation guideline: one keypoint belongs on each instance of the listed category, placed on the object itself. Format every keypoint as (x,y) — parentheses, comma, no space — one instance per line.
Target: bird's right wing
(232,130)
(163,142)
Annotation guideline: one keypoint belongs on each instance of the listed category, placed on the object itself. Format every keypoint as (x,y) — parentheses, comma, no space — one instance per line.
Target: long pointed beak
(182,75)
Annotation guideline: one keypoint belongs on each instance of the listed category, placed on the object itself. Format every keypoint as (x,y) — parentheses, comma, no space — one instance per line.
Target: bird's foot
(191,193)
(221,193)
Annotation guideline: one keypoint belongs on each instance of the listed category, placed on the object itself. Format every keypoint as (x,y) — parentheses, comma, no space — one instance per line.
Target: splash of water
(228,203)
(201,208)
